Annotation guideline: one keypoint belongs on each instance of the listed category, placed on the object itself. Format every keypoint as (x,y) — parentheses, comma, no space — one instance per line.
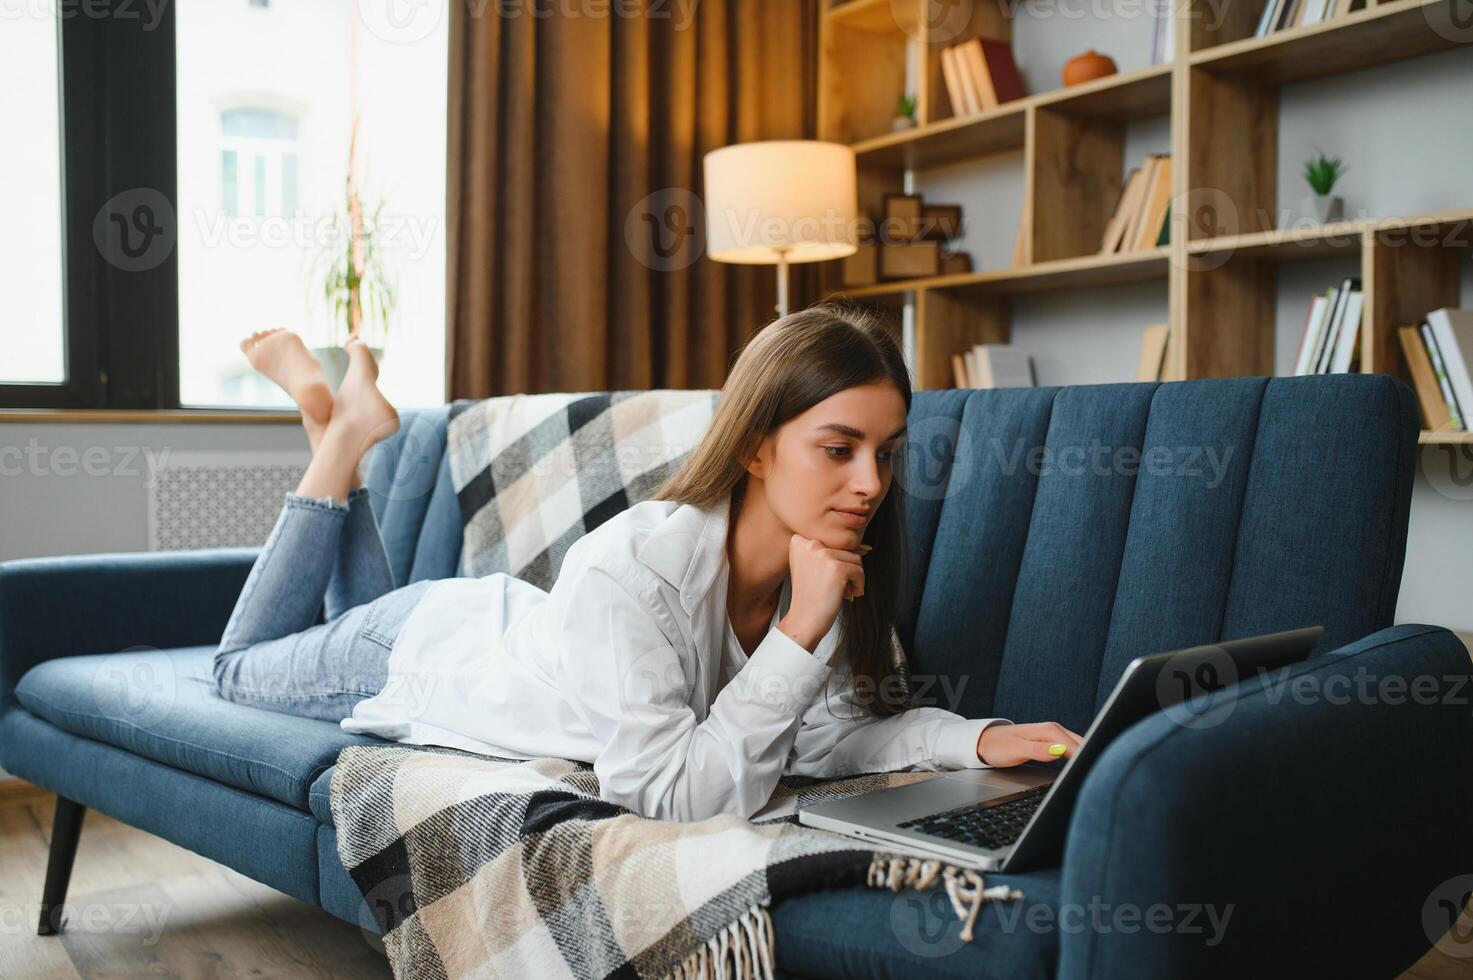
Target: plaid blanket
(481,867)
(534,473)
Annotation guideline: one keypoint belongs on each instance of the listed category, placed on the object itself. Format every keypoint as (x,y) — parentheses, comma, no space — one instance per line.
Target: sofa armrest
(1301,826)
(58,607)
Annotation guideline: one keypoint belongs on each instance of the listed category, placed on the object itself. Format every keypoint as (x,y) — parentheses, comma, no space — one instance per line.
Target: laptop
(1017,818)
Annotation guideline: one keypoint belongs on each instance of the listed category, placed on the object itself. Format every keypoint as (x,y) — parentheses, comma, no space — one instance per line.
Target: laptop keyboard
(992,825)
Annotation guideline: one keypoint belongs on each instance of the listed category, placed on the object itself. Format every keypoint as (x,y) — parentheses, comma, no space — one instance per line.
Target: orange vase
(1087,67)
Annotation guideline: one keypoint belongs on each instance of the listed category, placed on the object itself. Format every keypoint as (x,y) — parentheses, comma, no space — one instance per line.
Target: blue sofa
(1056,533)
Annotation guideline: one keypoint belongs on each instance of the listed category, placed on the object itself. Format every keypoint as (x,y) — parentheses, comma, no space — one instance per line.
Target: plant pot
(334,361)
(1324,208)
(902,123)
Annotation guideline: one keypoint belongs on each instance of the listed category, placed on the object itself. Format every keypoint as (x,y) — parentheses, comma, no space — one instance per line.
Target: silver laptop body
(953,816)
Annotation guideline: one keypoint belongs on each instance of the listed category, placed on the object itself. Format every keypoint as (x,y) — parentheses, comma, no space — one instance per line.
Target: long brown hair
(791,365)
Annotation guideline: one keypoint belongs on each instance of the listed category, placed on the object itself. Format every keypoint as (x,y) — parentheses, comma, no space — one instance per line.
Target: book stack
(992,366)
(1439,352)
(1280,15)
(980,75)
(1141,217)
(1328,343)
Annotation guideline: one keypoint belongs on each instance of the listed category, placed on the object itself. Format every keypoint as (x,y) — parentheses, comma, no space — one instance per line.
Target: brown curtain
(575,242)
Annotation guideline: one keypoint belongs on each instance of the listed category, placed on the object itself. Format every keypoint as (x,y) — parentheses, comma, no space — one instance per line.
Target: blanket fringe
(964,886)
(740,951)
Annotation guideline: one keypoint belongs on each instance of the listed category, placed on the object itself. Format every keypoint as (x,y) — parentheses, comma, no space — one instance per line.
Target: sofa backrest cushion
(1082,527)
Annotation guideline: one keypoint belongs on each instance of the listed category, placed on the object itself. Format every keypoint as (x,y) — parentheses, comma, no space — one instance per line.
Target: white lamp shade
(795,197)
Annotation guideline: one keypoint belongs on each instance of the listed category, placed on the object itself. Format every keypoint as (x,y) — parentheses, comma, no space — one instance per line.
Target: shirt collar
(687,549)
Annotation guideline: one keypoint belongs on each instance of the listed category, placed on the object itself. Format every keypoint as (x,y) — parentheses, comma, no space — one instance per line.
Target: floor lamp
(780,202)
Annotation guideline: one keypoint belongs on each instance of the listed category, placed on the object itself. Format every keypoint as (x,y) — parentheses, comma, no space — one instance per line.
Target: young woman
(694,647)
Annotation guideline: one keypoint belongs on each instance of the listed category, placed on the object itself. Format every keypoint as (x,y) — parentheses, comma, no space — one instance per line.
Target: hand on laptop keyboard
(1005,744)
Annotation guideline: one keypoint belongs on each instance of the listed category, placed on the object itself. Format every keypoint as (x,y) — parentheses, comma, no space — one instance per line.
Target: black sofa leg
(66,829)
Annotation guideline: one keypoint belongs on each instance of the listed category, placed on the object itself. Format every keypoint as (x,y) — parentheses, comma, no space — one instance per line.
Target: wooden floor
(140,906)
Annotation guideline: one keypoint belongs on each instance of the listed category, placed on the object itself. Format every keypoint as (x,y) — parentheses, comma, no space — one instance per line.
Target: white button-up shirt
(631,663)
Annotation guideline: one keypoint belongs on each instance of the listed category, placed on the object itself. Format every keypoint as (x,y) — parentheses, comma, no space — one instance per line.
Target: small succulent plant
(908,106)
(1322,172)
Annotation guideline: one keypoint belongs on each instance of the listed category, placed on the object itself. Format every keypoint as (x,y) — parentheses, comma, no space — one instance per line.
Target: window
(31,257)
(267,97)
(263,144)
(157,230)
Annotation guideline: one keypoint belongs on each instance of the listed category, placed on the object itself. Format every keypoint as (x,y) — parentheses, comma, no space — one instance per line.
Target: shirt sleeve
(839,736)
(628,682)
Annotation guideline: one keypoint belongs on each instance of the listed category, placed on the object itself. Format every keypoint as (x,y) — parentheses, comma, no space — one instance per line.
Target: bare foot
(360,407)
(280,355)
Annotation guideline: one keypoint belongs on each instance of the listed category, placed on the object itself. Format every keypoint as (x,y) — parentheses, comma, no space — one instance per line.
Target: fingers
(1049,734)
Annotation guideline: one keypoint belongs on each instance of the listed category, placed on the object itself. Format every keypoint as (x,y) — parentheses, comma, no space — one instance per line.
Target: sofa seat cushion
(162,705)
(873,932)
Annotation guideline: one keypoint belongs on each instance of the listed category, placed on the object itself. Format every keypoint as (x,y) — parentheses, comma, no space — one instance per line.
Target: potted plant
(355,282)
(906,114)
(1321,173)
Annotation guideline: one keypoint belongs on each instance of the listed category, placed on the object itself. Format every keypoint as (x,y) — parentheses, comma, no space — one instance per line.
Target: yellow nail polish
(851,598)
(1057,749)
(866,548)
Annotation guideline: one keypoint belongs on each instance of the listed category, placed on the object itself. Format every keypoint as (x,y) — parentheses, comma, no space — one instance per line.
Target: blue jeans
(320,556)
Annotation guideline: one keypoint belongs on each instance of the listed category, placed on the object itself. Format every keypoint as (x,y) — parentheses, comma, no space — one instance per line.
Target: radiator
(219,500)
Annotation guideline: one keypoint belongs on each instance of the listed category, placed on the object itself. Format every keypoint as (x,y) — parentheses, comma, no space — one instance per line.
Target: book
(970,95)
(1345,343)
(1133,217)
(1332,329)
(1153,210)
(1453,408)
(1153,352)
(1129,200)
(1453,331)
(1001,366)
(1286,15)
(1424,380)
(1313,324)
(954,89)
(994,75)
(959,372)
(1267,17)
(1316,11)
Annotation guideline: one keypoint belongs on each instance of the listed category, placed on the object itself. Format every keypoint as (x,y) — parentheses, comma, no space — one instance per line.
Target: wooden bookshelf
(1374,35)
(1089,270)
(1220,94)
